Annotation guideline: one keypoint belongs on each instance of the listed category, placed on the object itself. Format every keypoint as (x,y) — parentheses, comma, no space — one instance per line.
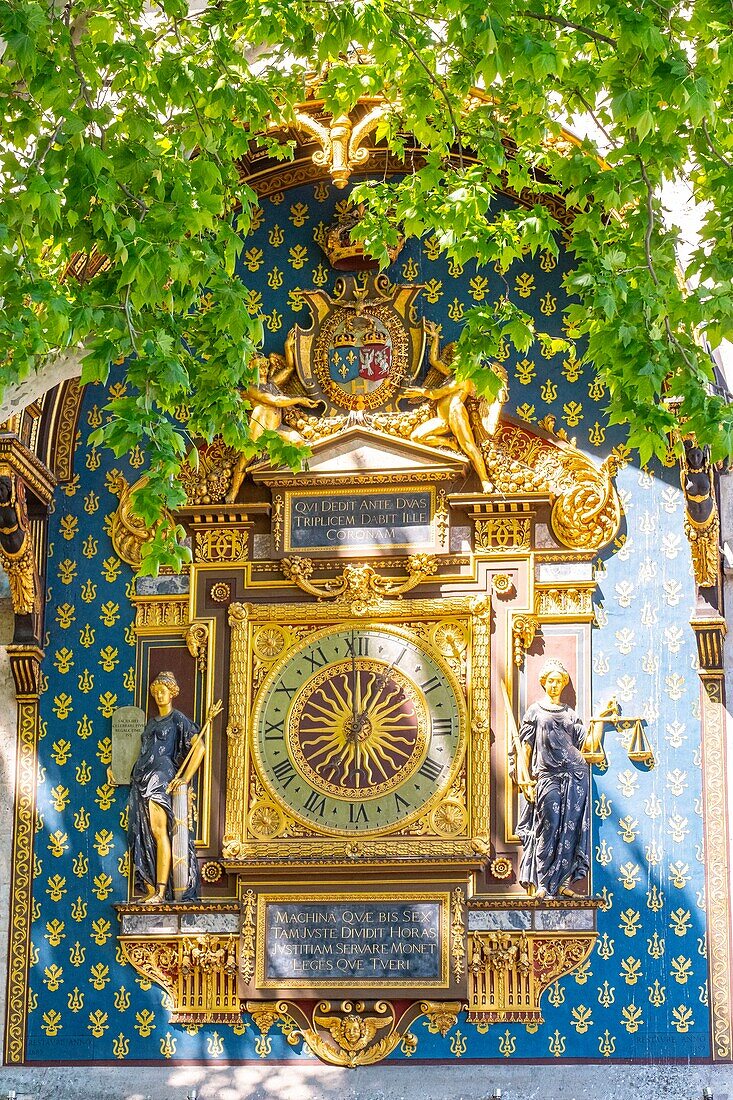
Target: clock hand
(353,680)
(377,686)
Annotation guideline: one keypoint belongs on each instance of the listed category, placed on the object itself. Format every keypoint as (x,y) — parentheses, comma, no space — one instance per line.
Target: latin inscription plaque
(320,521)
(364,940)
(128,724)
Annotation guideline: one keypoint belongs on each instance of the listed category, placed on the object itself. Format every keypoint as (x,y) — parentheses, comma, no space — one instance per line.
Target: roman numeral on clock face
(274,731)
(315,804)
(430,769)
(315,660)
(284,772)
(441,727)
(430,685)
(357,646)
(289,691)
(357,813)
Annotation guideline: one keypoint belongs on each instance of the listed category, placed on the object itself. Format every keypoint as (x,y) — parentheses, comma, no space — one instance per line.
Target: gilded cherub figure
(268,402)
(450,416)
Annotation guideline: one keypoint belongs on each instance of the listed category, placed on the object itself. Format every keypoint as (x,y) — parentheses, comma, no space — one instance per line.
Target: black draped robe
(555,829)
(164,745)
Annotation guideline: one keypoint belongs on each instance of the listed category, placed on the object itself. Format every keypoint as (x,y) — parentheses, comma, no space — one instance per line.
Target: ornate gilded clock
(355,735)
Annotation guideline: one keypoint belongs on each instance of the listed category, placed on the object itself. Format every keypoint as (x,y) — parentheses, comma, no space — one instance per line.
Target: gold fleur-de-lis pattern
(648,973)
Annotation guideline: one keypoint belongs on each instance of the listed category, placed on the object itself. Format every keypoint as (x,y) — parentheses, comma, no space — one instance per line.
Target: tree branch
(716,153)
(595,118)
(434,80)
(650,262)
(558,21)
(649,222)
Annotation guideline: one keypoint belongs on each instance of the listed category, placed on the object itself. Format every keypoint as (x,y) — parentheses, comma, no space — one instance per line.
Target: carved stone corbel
(524,630)
(198,972)
(196,637)
(509,970)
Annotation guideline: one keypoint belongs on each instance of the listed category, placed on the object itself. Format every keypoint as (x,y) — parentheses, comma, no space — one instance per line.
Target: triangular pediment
(362,450)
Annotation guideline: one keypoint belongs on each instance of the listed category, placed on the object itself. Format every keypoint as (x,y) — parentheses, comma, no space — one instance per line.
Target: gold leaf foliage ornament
(341,142)
(360,586)
(586,510)
(196,637)
(128,531)
(587,513)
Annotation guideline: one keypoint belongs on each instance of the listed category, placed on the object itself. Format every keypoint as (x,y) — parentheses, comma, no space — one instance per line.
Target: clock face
(358,729)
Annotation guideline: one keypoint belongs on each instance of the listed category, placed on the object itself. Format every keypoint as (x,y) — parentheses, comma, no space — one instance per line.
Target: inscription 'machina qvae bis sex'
(323,942)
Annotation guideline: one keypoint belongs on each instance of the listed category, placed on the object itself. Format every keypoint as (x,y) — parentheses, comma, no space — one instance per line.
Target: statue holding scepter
(171,751)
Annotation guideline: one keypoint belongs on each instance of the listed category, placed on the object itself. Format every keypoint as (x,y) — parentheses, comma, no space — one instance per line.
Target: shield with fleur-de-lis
(343,360)
(363,345)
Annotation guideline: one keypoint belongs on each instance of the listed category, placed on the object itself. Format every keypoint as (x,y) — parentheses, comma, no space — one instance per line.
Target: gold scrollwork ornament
(196,637)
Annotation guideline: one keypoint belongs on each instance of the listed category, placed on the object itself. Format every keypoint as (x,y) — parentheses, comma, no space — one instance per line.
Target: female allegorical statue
(555,780)
(171,750)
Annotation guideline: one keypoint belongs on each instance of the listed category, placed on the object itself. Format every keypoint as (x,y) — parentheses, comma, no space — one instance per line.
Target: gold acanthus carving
(128,531)
(359,586)
(508,971)
(586,511)
(196,637)
(351,1033)
(457,933)
(524,631)
(199,974)
(169,612)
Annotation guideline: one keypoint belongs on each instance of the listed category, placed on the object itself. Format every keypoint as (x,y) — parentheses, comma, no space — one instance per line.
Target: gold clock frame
(260,634)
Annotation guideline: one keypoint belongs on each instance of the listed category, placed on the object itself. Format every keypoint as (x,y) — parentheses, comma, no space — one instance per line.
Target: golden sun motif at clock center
(358,728)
